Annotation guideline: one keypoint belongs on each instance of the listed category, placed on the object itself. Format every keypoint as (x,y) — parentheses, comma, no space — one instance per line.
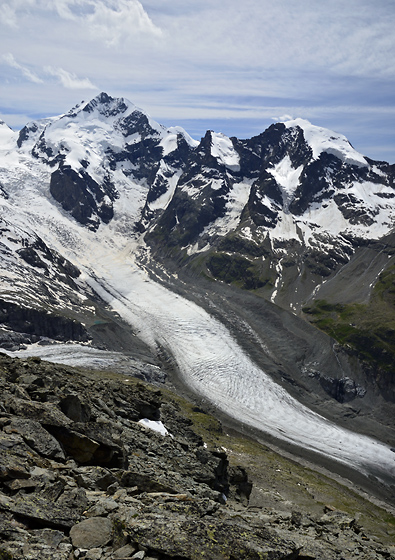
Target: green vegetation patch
(368,329)
(234,269)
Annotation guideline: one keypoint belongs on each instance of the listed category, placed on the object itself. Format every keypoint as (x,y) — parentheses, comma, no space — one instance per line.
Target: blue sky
(231,66)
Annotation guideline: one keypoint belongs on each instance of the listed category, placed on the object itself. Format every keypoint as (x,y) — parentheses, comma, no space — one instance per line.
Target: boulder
(92,533)
(46,413)
(211,539)
(126,551)
(38,438)
(77,445)
(75,409)
(44,512)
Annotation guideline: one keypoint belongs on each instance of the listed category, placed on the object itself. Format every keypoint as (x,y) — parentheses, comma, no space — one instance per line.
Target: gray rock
(38,438)
(95,532)
(79,446)
(37,509)
(46,413)
(75,409)
(139,555)
(94,554)
(213,539)
(126,551)
(12,466)
(102,507)
(95,478)
(147,483)
(50,537)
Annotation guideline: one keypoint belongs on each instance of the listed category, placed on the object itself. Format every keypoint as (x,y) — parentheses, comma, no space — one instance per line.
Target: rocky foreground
(87,470)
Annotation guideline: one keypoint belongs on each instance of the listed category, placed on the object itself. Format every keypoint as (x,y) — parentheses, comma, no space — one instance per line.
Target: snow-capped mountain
(113,228)
(297,199)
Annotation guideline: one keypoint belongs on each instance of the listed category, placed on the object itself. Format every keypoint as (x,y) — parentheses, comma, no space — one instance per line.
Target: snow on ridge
(162,202)
(87,131)
(7,136)
(178,130)
(322,139)
(168,144)
(222,148)
(236,200)
(106,106)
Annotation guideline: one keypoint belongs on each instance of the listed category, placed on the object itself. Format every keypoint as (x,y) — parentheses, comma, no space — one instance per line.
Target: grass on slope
(367,329)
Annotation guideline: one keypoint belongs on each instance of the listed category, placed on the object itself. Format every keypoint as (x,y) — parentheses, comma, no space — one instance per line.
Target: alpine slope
(92,200)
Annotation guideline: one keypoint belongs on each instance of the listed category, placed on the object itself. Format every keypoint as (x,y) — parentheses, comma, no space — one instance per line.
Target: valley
(123,240)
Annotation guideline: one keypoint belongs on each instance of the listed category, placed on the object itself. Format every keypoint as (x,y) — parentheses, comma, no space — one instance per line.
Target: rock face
(80,477)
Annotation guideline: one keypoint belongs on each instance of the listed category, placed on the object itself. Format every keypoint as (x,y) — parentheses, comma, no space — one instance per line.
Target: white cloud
(8,15)
(111,21)
(63,7)
(116,20)
(10,60)
(283,118)
(68,79)
(10,11)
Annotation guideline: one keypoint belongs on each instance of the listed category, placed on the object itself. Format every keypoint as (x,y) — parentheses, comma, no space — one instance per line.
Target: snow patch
(155,425)
(287,177)
(162,202)
(168,144)
(222,148)
(8,136)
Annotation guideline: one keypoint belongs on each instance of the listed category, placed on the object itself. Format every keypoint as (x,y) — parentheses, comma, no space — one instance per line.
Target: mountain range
(258,273)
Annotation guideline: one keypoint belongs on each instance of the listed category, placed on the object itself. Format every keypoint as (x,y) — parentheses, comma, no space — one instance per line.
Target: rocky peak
(107,106)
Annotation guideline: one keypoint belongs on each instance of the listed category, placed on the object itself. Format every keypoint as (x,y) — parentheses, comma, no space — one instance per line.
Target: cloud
(69,80)
(10,60)
(111,21)
(8,15)
(283,118)
(10,11)
(116,20)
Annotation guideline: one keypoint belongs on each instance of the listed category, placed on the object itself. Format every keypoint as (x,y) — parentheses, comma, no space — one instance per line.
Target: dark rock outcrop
(34,323)
(87,201)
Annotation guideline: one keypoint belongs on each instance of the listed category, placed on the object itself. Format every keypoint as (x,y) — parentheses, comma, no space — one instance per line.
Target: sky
(232,67)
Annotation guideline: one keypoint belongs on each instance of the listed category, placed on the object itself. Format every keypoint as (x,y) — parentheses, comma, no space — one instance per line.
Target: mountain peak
(6,133)
(108,106)
(322,139)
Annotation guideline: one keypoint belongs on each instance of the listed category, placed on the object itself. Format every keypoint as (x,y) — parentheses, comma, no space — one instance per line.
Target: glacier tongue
(212,363)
